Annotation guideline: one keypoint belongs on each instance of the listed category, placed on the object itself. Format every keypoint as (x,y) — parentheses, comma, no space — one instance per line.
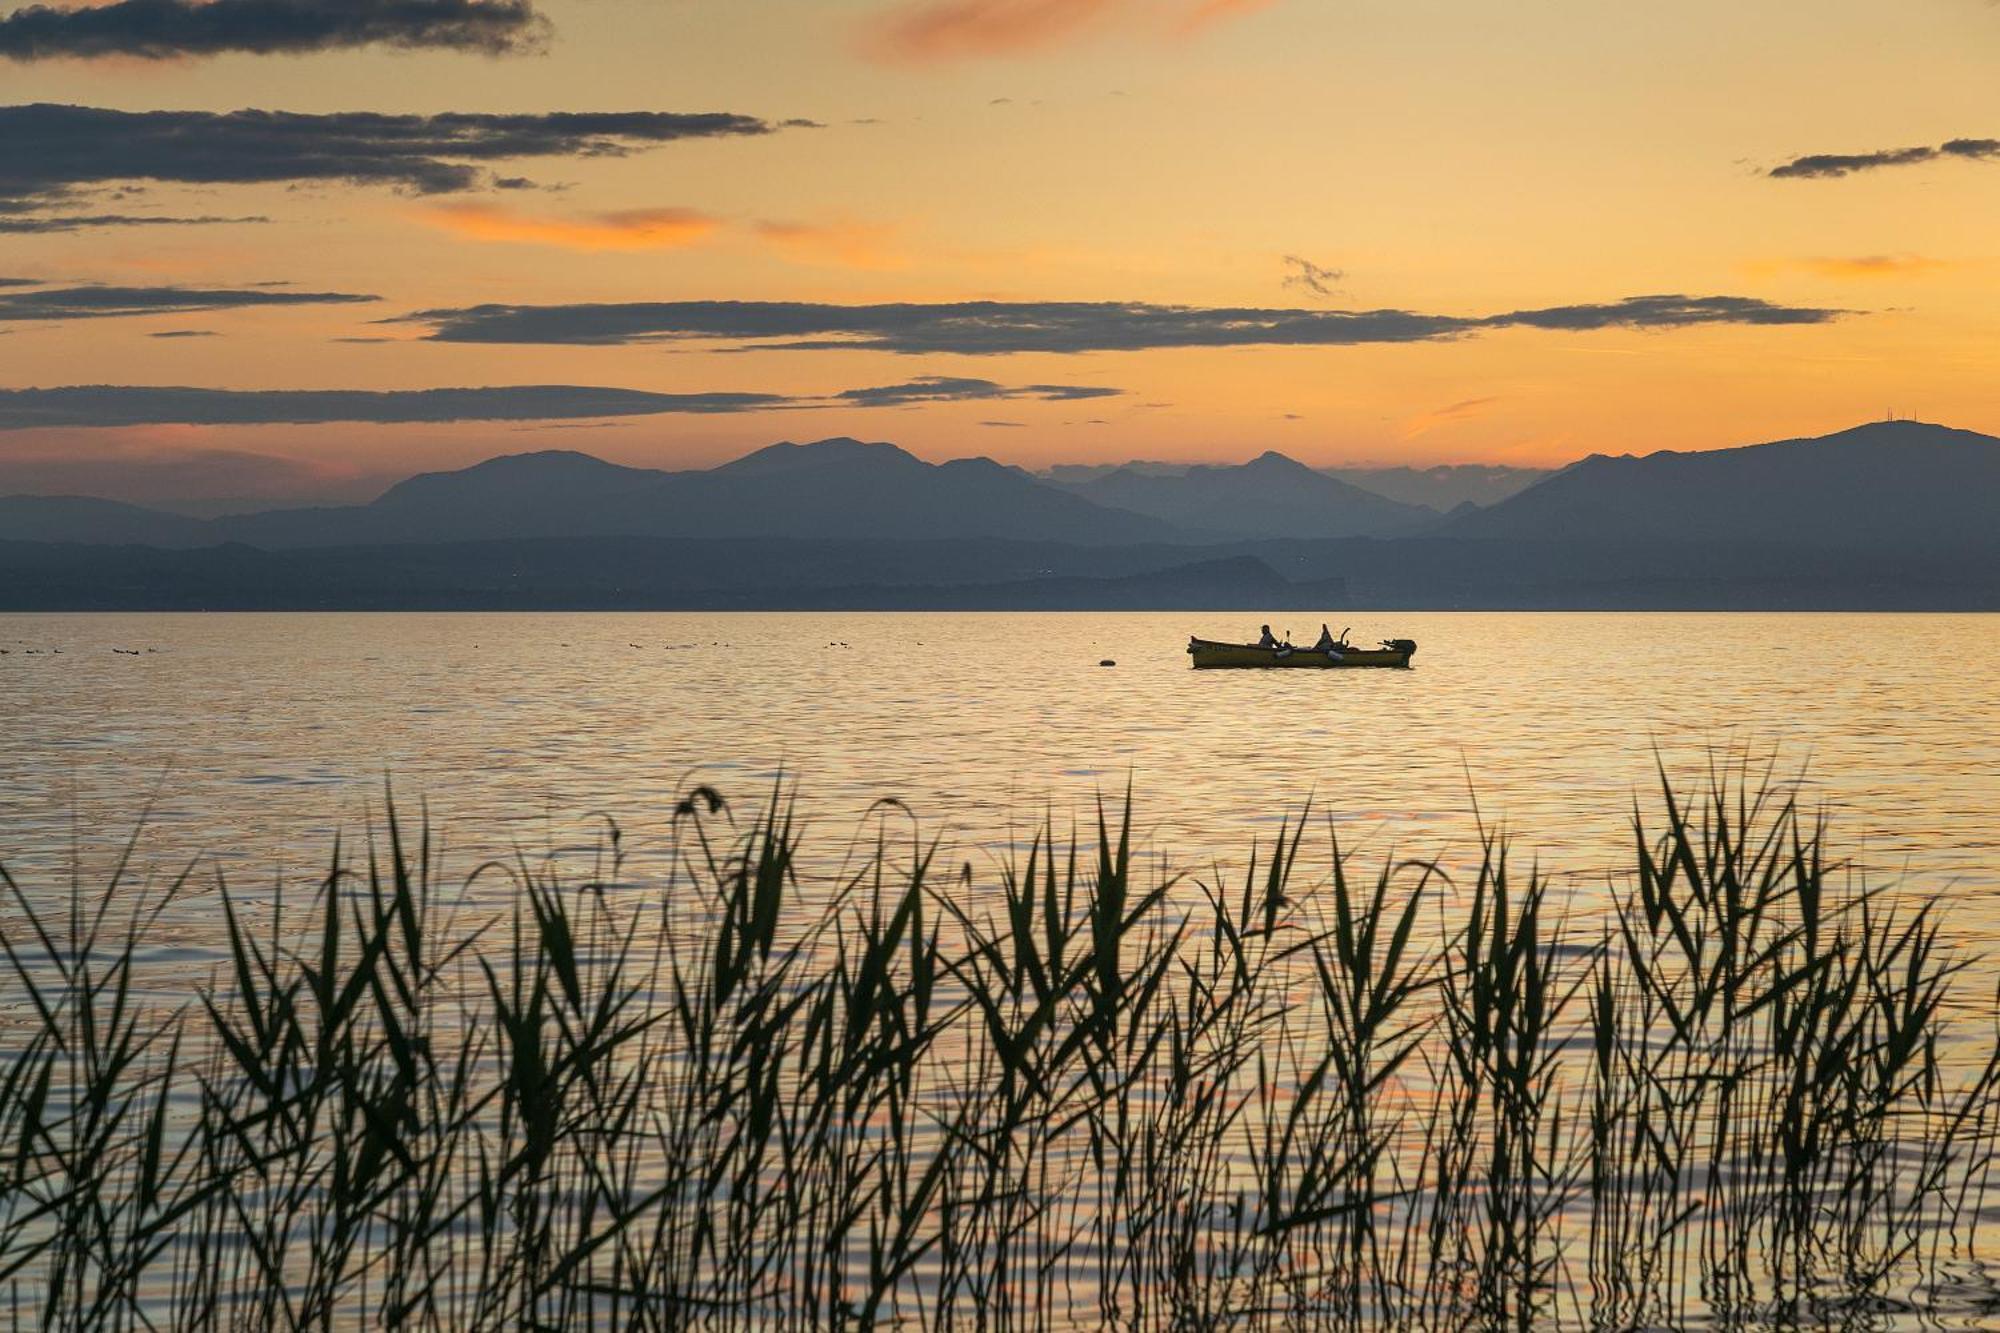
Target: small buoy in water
(1107,662)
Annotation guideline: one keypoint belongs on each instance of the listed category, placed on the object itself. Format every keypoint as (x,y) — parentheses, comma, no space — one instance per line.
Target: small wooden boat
(1207,653)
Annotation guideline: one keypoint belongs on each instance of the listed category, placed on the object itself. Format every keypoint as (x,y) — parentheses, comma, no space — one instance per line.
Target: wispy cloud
(971,328)
(171,29)
(1861,266)
(852,245)
(1826,165)
(1305,276)
(1422,422)
(859,245)
(1207,13)
(930,31)
(631,229)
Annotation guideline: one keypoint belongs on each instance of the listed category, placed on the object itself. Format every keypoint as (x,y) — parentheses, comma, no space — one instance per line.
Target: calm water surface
(251,739)
(246,742)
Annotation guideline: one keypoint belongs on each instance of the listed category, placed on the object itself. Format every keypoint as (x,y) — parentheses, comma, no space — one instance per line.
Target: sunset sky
(1384,231)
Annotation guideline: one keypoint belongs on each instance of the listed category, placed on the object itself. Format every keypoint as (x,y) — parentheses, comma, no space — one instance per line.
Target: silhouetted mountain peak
(983,466)
(1903,429)
(567,469)
(1868,437)
(1881,483)
(1271,461)
(1894,435)
(1269,494)
(839,449)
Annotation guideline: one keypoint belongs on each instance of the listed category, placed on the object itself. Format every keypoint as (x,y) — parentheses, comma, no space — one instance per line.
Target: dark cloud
(185,333)
(953,389)
(1822,165)
(1982,150)
(110,302)
(1306,276)
(170,29)
(1663,312)
(128,405)
(973,328)
(53,152)
(966,327)
(101,405)
(44,223)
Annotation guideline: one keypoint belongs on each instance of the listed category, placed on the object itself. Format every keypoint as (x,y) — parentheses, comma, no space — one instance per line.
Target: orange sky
(1446,157)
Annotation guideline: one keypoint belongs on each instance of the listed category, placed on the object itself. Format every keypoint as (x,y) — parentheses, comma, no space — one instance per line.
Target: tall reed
(1740,1085)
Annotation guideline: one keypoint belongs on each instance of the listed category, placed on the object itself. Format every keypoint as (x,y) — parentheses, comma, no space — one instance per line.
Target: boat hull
(1208,655)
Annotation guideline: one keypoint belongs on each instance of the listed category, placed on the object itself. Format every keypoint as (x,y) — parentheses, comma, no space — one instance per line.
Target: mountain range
(837,488)
(1886,484)
(1442,487)
(1270,495)
(1891,514)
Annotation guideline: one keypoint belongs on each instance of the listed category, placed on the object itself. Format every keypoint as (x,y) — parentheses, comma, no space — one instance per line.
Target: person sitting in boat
(1267,639)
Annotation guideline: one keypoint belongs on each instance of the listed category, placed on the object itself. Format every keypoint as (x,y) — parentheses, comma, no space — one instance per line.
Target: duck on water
(1327,652)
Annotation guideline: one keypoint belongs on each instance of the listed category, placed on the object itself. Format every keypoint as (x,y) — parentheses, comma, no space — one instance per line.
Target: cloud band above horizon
(973,328)
(115,405)
(106,302)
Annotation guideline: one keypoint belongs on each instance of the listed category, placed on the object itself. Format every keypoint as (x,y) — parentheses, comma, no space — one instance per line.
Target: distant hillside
(844,488)
(643,573)
(1269,496)
(836,488)
(1445,487)
(1885,485)
(639,573)
(1076,474)
(1894,515)
(518,484)
(1442,488)
(69,518)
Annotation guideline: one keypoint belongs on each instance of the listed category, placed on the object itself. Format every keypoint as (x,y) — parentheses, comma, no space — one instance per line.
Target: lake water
(251,739)
(245,743)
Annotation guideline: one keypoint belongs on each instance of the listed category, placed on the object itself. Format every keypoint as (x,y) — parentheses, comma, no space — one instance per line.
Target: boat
(1208,653)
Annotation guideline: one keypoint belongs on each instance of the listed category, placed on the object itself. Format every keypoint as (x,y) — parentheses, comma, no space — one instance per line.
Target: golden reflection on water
(253,738)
